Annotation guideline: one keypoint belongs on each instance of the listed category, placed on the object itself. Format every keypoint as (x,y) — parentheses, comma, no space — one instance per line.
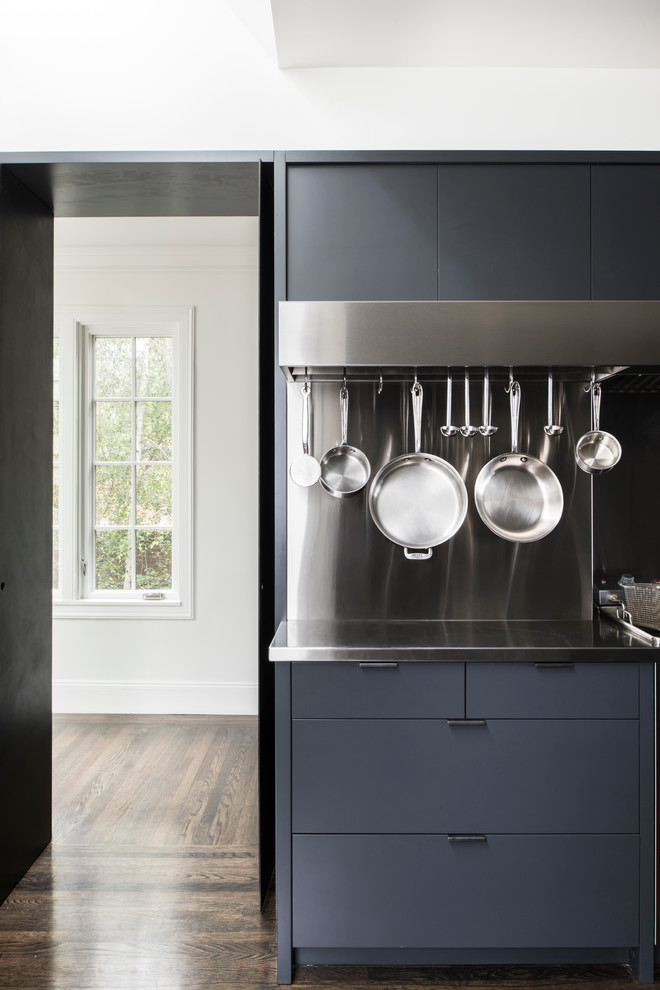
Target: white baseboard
(155,698)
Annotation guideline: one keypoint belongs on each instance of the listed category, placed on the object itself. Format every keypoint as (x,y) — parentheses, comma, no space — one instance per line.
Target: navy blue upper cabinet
(361,232)
(625,202)
(513,232)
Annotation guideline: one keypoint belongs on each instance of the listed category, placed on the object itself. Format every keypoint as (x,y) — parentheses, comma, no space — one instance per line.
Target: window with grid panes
(56,457)
(133,483)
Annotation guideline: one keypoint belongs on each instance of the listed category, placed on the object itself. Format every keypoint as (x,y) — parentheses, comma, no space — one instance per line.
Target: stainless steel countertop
(600,640)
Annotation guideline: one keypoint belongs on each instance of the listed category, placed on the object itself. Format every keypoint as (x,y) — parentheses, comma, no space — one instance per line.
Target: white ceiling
(586,34)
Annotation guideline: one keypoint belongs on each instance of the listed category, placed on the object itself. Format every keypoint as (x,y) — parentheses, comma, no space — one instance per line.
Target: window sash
(79,327)
(131,527)
(57,584)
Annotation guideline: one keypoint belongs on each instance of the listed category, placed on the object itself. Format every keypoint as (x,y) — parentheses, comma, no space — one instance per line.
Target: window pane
(153,366)
(56,496)
(113,366)
(153,429)
(56,560)
(153,503)
(113,560)
(153,558)
(113,496)
(56,430)
(113,431)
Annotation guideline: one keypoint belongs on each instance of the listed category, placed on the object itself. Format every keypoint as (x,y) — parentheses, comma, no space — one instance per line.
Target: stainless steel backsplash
(340,565)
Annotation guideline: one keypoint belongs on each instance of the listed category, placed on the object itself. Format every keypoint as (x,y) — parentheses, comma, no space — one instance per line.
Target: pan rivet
(502,459)
(523,459)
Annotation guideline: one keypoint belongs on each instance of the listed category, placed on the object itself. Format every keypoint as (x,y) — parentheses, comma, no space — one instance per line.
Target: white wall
(163,75)
(207,664)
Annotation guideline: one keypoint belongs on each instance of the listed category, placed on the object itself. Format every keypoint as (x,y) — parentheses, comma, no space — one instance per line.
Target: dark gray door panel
(527,690)
(26,492)
(427,776)
(424,891)
(513,232)
(361,232)
(353,690)
(625,221)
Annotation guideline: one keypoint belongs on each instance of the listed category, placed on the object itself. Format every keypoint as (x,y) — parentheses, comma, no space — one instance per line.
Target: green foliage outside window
(133,454)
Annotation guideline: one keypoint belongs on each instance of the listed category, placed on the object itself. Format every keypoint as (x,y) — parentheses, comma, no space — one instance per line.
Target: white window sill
(138,609)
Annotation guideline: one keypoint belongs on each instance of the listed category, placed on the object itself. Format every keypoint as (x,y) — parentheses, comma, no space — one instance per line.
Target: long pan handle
(514,399)
(343,407)
(305,392)
(595,406)
(417,393)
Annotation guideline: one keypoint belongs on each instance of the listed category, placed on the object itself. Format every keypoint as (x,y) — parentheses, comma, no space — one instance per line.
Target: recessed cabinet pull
(466,721)
(375,663)
(555,663)
(466,837)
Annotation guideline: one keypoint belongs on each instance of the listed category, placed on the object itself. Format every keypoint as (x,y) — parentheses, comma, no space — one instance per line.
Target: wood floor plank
(151,881)
(150,782)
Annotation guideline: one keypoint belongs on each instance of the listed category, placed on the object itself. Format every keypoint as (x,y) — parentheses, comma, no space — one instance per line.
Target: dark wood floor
(150,882)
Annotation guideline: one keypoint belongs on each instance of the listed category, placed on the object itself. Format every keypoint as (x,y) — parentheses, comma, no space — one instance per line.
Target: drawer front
(527,690)
(353,690)
(405,775)
(424,891)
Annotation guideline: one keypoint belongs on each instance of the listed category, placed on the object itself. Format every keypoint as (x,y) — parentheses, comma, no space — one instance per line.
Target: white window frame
(76,327)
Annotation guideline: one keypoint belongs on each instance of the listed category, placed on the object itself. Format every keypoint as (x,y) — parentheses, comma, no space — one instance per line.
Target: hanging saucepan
(345,470)
(597,451)
(518,496)
(418,500)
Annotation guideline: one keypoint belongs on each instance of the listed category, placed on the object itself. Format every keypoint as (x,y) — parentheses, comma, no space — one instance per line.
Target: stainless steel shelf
(402,641)
(498,333)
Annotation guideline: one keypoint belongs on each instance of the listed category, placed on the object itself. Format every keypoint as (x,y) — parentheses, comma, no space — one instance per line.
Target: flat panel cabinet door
(513,232)
(423,775)
(625,224)
(522,891)
(361,232)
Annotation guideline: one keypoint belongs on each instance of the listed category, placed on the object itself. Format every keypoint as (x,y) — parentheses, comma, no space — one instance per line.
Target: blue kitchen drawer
(426,775)
(543,690)
(354,690)
(504,891)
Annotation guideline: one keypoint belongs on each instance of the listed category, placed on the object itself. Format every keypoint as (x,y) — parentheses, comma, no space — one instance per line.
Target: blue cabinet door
(625,209)
(357,232)
(513,232)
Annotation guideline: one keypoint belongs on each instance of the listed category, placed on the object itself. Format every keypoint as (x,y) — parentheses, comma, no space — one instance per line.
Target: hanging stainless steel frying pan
(418,500)
(518,496)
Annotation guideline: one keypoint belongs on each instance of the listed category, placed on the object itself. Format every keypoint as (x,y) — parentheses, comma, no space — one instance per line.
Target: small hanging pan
(518,496)
(345,470)
(597,451)
(418,500)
